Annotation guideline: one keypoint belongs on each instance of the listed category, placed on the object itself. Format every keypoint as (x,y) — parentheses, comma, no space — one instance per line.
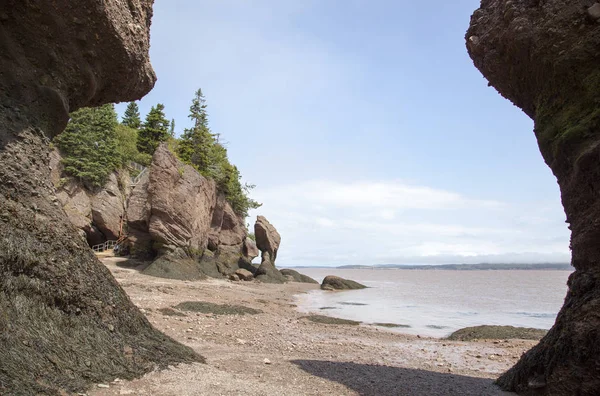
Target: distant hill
(467,267)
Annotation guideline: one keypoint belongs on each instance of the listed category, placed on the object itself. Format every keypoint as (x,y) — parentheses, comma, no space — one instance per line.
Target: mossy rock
(297,276)
(330,320)
(497,333)
(336,283)
(391,325)
(171,312)
(216,309)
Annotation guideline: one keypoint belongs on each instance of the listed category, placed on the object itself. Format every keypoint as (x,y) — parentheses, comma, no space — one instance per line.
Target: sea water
(437,302)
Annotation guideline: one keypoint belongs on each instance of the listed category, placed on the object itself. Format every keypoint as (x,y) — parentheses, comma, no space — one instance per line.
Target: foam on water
(436,303)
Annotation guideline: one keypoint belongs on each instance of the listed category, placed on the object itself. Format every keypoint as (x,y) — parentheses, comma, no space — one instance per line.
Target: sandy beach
(279,351)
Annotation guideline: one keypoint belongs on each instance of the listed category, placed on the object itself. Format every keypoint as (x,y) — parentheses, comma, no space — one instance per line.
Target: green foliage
(131,118)
(252,236)
(89,144)
(201,148)
(154,130)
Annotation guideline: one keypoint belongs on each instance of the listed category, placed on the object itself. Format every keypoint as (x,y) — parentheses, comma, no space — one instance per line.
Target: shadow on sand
(371,380)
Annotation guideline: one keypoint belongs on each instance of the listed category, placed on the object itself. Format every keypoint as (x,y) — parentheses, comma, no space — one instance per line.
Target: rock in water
(297,277)
(544,56)
(267,240)
(57,302)
(336,283)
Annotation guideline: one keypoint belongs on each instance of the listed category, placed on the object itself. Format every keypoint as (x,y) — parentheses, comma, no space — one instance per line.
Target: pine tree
(89,145)
(154,130)
(196,143)
(172,129)
(201,148)
(131,118)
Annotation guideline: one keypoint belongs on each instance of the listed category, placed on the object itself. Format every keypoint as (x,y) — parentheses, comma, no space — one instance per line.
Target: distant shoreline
(458,267)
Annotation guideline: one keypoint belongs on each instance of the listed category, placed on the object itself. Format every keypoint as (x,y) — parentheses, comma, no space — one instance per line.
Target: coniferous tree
(154,130)
(131,117)
(172,128)
(89,145)
(201,148)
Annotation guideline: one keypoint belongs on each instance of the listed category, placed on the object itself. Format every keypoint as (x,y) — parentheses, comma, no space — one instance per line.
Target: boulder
(336,283)
(297,276)
(234,277)
(244,274)
(543,56)
(66,323)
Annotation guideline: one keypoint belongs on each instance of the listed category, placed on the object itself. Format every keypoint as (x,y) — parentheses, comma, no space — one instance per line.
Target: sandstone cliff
(544,56)
(176,215)
(65,322)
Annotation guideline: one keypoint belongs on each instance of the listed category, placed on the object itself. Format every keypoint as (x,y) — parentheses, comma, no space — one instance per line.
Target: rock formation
(267,241)
(175,214)
(544,56)
(297,276)
(332,283)
(97,213)
(64,320)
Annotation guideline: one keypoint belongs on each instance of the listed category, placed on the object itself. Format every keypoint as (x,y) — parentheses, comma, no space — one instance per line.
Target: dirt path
(278,352)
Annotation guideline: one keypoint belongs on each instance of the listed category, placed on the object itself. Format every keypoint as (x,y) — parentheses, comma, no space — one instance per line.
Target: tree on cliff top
(131,117)
(200,147)
(89,145)
(154,130)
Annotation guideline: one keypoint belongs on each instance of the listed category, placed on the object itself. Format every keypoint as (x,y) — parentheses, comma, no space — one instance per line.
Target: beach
(278,351)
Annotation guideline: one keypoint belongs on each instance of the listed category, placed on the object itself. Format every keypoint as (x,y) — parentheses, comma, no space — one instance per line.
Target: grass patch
(497,333)
(392,325)
(330,320)
(216,309)
(171,312)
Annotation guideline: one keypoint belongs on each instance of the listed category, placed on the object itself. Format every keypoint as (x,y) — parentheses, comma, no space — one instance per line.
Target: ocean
(436,303)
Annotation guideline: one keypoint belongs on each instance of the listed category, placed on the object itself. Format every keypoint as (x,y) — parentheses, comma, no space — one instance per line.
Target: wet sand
(277,351)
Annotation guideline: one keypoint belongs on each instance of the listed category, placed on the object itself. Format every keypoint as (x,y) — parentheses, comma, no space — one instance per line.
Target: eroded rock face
(174,208)
(267,240)
(65,322)
(181,202)
(544,56)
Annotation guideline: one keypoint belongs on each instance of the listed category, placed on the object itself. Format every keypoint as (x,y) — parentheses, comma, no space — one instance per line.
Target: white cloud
(374,222)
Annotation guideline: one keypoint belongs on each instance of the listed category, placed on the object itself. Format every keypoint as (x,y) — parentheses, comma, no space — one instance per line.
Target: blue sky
(369,133)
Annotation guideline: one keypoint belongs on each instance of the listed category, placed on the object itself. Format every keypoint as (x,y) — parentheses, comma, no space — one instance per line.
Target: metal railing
(102,247)
(141,168)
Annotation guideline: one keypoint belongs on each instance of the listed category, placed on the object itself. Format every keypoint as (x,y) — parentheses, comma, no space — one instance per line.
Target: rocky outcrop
(544,57)
(108,207)
(297,276)
(98,213)
(267,240)
(181,202)
(64,320)
(336,283)
(174,209)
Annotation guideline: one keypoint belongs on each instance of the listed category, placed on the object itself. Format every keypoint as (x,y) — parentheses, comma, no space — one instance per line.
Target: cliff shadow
(371,380)
(134,264)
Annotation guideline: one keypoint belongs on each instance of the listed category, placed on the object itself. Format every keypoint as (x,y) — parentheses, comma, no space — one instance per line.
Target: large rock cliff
(64,321)
(544,56)
(177,216)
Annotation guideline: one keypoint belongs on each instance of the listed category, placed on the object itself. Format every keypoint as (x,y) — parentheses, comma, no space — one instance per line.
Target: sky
(369,134)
